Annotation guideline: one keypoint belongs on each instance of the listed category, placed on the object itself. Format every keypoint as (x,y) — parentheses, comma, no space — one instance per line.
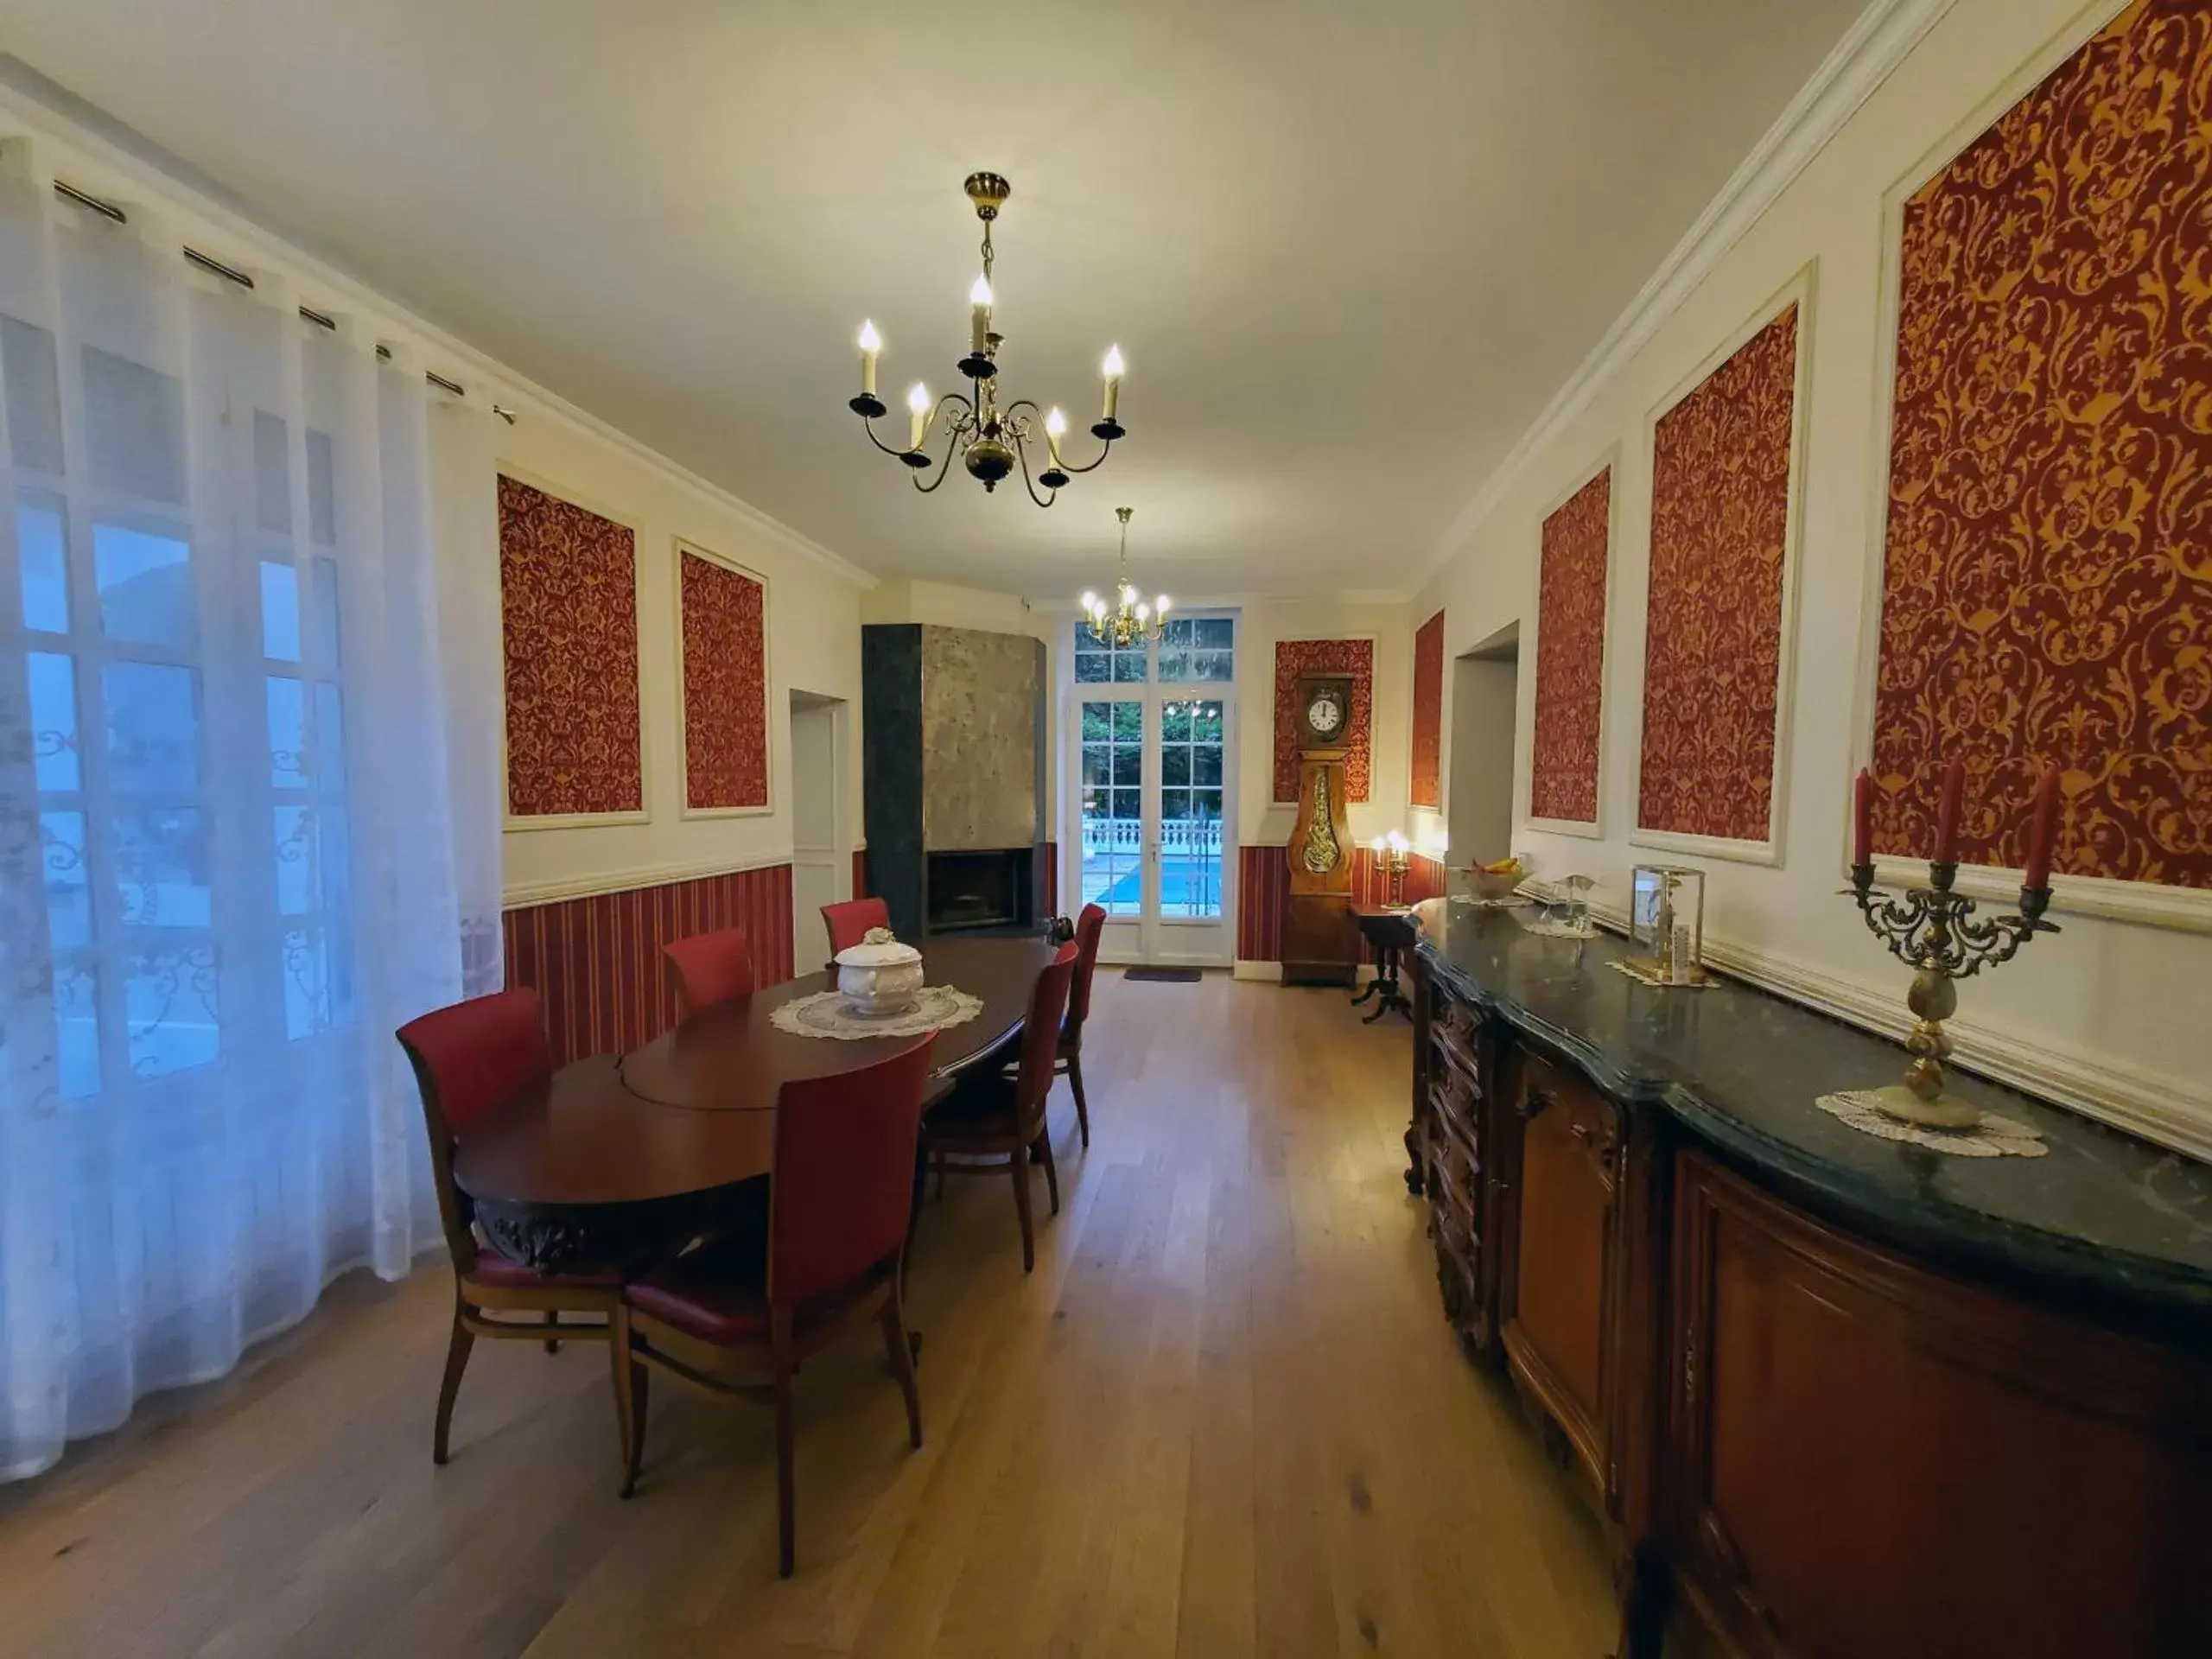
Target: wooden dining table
(616,1161)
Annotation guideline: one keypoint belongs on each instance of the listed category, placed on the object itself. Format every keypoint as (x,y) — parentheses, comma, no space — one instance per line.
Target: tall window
(228,842)
(159,631)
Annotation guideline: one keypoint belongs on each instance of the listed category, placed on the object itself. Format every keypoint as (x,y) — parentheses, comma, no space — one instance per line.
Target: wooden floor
(1224,1418)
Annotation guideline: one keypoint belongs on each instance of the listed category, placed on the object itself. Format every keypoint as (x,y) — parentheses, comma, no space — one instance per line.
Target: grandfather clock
(1320,940)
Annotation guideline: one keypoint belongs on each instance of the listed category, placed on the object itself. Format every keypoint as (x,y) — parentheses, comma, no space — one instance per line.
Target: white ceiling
(1350,251)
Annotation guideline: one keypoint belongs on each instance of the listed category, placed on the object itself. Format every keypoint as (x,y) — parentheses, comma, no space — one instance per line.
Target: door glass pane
(153,728)
(53,721)
(1113,820)
(145,584)
(42,549)
(170,1003)
(162,874)
(1190,818)
(68,900)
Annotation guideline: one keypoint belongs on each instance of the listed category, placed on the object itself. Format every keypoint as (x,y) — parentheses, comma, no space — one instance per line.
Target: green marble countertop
(2105,1216)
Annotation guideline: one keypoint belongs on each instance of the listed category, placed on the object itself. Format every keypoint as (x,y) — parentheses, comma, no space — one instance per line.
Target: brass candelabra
(1938,932)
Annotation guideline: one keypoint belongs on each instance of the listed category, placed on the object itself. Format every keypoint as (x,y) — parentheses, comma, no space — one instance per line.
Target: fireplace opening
(972,891)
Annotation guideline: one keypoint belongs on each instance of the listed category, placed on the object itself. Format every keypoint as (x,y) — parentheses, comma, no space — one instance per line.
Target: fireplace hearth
(972,891)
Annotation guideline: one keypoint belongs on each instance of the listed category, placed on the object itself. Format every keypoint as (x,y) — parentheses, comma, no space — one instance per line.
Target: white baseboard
(1266,972)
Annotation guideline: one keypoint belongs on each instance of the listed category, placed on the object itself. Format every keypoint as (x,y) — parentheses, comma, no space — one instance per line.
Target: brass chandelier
(991,442)
(1128,619)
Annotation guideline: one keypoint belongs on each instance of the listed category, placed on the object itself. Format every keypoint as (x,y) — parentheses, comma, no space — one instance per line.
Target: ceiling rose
(991,442)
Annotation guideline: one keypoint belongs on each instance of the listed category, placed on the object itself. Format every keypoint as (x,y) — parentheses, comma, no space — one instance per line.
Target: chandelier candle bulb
(1055,425)
(871,343)
(1111,369)
(917,404)
(979,318)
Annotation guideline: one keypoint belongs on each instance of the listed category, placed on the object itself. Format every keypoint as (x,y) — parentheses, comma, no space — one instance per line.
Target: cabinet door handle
(1534,1101)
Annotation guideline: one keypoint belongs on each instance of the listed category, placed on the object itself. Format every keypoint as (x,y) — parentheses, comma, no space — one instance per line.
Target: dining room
(870,832)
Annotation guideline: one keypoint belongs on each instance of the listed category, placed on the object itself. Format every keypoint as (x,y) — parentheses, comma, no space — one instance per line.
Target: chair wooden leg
(786,1497)
(457,1349)
(1082,1106)
(1020,1163)
(552,1322)
(629,1401)
(914,1208)
(901,1356)
(1051,1170)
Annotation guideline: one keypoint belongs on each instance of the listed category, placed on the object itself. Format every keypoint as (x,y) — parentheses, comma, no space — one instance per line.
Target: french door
(1153,790)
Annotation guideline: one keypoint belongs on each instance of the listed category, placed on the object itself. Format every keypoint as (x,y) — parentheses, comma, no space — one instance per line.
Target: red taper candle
(2043,828)
(1862,819)
(1947,812)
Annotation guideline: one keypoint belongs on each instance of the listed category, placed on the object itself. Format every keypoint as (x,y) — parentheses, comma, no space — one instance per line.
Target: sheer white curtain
(231,861)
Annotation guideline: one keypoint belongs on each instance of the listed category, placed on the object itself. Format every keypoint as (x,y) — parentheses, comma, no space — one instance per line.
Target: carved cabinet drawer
(1453,1026)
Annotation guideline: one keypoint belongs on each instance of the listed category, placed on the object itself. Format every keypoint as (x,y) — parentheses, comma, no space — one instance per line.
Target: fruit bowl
(1495,881)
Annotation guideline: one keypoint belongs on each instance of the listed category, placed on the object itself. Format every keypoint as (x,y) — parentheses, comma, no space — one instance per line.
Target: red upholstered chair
(1088,927)
(710,967)
(729,1314)
(849,923)
(468,1058)
(995,1122)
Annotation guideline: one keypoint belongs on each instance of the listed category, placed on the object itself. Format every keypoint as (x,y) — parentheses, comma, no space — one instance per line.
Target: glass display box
(1667,923)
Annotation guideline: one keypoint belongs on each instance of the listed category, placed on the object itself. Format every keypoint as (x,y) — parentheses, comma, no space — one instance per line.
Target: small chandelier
(991,442)
(1130,619)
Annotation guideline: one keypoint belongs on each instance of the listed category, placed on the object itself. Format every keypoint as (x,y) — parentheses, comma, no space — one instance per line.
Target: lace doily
(1995,1136)
(825,1014)
(1643,975)
(1550,927)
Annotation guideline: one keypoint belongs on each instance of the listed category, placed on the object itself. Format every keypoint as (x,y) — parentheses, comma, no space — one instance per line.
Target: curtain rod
(231,274)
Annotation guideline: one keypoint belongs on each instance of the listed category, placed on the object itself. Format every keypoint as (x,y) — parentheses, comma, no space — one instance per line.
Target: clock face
(1324,714)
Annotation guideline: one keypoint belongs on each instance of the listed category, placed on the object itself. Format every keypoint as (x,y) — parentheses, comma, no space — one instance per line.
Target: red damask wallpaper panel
(1297,656)
(1571,655)
(725,684)
(2047,588)
(1427,788)
(1713,629)
(569,604)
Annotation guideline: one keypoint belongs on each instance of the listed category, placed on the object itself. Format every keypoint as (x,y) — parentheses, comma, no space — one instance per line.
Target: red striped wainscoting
(1263,890)
(596,962)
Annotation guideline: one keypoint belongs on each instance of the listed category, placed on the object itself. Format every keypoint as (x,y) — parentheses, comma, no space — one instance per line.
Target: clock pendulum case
(1320,938)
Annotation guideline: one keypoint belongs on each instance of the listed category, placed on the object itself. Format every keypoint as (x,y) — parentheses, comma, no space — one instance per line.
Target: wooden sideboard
(1830,1394)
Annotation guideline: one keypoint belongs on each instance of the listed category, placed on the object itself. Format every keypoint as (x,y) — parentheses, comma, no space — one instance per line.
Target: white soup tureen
(879,976)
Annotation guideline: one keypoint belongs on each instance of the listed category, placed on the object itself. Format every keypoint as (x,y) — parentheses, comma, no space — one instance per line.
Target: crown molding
(99,162)
(1880,40)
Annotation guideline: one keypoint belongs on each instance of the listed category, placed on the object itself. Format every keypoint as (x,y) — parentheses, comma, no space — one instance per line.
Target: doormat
(1164,975)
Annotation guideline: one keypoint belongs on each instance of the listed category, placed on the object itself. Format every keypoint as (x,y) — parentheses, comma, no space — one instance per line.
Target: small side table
(1389,934)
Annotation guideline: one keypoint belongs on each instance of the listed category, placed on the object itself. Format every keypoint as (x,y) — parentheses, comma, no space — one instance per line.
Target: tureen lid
(878,949)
